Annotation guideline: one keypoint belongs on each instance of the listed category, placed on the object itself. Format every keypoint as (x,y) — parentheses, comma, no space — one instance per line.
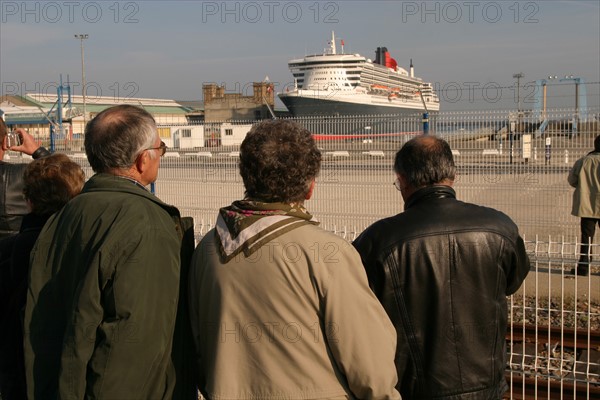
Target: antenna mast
(332,43)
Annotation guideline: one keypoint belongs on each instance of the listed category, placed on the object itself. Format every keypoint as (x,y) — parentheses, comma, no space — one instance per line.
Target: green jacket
(585,178)
(104,302)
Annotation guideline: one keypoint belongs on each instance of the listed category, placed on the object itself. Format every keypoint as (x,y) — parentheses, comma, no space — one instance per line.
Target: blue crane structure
(580,103)
(55,114)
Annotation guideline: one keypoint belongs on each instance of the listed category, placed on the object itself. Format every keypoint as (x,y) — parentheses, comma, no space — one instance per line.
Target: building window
(186,133)
(228,132)
(164,133)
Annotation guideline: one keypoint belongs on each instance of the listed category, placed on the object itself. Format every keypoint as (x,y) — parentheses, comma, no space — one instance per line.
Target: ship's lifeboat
(380,88)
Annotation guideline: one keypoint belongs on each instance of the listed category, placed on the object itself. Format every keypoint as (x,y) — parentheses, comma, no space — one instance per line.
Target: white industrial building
(178,125)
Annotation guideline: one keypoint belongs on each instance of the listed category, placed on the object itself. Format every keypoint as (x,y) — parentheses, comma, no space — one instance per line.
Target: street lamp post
(81,38)
(544,94)
(518,77)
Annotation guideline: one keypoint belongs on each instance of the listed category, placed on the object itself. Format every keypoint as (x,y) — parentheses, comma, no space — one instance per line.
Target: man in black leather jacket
(12,202)
(442,270)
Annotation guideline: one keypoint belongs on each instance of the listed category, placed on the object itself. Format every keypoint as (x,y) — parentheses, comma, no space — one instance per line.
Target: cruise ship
(335,83)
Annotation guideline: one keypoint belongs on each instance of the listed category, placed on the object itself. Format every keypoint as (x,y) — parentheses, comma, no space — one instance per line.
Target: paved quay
(561,284)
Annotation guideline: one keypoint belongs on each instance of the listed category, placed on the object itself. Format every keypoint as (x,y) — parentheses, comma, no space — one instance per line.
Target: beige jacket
(295,320)
(585,178)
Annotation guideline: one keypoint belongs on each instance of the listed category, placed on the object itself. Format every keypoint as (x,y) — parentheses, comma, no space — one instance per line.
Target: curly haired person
(281,308)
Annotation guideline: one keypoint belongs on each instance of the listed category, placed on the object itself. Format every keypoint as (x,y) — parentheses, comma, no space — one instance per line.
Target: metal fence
(554,332)
(516,162)
(496,167)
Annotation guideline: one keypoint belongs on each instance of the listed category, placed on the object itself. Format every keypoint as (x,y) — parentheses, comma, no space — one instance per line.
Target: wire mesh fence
(554,326)
(512,161)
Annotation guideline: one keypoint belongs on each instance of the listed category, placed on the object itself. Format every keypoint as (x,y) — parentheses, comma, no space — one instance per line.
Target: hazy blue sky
(168,49)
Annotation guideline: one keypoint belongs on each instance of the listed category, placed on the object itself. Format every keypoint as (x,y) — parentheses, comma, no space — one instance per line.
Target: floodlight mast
(82,37)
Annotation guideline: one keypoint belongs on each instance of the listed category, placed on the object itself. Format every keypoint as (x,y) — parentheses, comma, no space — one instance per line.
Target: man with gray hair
(105,316)
(442,270)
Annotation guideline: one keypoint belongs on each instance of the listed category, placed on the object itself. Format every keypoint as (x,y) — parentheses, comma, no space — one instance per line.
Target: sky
(469,50)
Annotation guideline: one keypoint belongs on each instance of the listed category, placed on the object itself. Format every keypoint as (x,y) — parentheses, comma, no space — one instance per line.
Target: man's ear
(403,181)
(310,190)
(141,162)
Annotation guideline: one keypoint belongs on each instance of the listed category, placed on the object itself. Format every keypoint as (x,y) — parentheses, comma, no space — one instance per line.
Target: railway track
(524,388)
(526,385)
(569,337)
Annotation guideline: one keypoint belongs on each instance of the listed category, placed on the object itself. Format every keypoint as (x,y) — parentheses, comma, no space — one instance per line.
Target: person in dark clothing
(49,183)
(12,204)
(442,270)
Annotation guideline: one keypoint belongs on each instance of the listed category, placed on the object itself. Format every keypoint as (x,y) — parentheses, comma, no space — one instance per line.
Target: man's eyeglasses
(397,185)
(162,148)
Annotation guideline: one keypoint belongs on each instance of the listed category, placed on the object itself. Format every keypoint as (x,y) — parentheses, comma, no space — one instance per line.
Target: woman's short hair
(50,182)
(278,161)
(117,136)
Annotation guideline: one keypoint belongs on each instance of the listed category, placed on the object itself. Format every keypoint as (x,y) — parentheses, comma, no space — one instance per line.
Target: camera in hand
(13,139)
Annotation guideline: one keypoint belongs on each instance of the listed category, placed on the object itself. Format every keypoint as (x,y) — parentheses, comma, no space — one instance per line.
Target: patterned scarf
(246,225)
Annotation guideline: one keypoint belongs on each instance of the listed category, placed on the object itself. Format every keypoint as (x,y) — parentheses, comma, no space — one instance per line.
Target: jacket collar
(247,225)
(111,183)
(430,192)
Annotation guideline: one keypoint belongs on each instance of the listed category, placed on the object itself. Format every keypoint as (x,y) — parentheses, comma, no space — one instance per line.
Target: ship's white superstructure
(335,83)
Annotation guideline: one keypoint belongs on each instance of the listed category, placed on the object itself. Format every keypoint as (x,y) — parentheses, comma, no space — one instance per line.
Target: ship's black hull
(306,107)
(329,117)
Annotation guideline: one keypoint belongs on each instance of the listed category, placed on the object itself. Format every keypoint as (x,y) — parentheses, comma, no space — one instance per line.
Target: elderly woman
(49,183)
(281,308)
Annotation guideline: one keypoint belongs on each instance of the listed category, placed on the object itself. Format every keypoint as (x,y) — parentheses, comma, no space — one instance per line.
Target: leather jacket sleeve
(12,203)
(518,267)
(40,153)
